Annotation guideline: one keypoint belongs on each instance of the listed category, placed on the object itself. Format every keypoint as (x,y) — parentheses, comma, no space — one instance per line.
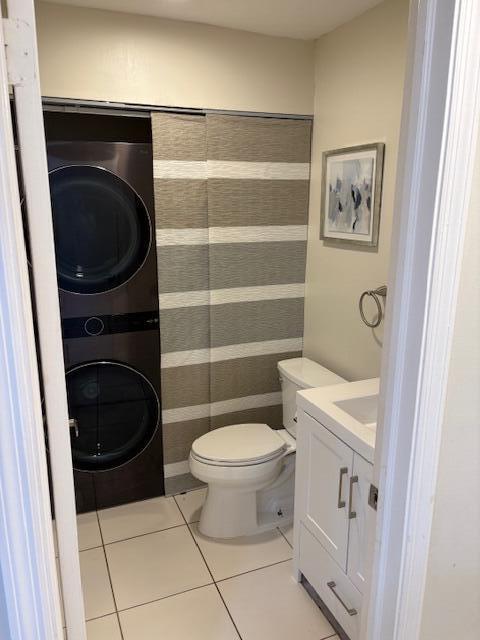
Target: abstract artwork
(352,192)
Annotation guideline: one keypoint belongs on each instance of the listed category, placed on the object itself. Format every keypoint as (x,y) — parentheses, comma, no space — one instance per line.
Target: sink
(363,409)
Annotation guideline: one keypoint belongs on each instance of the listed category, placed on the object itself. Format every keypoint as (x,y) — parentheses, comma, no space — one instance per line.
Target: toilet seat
(239,445)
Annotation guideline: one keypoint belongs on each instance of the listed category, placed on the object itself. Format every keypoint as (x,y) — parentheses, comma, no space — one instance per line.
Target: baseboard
(176,469)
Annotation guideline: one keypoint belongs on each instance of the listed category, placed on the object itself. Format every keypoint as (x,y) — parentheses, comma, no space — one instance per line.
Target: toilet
(250,468)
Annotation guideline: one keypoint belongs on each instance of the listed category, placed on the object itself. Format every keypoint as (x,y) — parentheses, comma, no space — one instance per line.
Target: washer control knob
(94,326)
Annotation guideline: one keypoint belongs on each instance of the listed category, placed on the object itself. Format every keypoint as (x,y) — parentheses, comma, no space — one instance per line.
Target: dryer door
(102,229)
(114,411)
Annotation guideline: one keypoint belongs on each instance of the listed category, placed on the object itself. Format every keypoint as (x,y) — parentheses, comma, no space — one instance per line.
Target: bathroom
(223,328)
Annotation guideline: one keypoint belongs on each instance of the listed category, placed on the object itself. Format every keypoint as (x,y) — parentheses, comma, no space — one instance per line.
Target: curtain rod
(71,105)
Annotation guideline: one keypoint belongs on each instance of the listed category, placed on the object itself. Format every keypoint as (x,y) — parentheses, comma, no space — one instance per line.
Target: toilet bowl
(250,468)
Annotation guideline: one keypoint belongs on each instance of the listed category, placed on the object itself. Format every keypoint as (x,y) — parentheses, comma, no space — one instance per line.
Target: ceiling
(305,19)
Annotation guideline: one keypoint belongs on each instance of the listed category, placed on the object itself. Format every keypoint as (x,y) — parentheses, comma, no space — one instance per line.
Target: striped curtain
(231,196)
(258,172)
(179,170)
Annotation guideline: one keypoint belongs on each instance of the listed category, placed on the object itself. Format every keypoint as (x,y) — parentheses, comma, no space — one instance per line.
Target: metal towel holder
(375,294)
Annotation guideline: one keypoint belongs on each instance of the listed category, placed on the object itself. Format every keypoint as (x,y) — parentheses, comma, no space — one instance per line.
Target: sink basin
(363,409)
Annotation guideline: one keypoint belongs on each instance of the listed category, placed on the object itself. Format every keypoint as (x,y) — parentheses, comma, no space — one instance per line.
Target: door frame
(30,607)
(439,133)
(34,604)
(439,125)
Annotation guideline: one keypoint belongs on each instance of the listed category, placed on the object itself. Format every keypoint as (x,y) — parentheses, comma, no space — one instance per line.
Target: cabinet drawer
(321,571)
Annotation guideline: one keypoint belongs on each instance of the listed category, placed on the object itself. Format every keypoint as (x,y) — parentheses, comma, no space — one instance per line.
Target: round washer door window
(102,229)
(114,413)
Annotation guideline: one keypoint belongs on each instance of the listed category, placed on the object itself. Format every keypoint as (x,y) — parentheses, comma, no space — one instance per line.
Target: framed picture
(352,194)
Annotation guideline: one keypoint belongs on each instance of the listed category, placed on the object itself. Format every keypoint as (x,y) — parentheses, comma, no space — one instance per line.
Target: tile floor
(148,573)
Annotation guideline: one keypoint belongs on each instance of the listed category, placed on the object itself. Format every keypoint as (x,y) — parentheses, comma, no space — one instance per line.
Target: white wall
(359,75)
(452,598)
(102,55)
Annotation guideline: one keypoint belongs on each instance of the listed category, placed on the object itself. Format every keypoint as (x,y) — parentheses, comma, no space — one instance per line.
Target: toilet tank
(297,374)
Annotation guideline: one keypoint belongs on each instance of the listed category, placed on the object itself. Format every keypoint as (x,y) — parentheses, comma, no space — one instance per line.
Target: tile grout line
(118,611)
(215,584)
(228,610)
(244,573)
(171,595)
(211,574)
(109,577)
(291,547)
(141,535)
(208,584)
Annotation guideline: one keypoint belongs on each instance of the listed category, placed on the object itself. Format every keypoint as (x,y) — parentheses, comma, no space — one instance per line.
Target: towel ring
(375,294)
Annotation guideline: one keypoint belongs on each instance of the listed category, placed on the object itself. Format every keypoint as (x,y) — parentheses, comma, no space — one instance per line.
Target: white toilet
(250,468)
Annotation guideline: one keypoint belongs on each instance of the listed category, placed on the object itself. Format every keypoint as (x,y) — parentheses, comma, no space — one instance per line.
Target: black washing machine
(104,226)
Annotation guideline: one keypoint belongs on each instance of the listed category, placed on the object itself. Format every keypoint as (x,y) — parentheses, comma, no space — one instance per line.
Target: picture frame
(352,194)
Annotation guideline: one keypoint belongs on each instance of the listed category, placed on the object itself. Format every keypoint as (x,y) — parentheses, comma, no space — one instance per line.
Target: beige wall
(101,55)
(358,82)
(358,97)
(452,598)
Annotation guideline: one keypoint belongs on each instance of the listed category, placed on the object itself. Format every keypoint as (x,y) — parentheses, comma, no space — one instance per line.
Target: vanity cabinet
(332,515)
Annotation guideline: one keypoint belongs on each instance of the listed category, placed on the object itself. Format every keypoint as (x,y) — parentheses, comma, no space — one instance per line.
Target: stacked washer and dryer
(104,225)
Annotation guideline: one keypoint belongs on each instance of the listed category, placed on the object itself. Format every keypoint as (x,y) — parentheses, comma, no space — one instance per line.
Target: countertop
(320,404)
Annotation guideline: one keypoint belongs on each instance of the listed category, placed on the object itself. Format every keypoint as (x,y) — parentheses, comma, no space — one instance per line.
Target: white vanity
(335,448)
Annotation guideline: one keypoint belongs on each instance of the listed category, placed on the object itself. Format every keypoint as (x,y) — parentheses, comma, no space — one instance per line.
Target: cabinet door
(324,465)
(361,522)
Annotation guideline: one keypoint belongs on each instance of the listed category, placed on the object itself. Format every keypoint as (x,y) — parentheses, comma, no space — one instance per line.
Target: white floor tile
(138,518)
(226,558)
(97,592)
(196,615)
(88,531)
(288,533)
(104,628)
(191,504)
(269,605)
(154,566)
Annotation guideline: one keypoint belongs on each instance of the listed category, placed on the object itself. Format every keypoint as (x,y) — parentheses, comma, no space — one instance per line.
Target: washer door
(115,411)
(102,229)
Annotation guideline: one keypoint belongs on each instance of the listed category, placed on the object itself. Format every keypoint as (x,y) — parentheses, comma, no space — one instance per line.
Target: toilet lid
(239,443)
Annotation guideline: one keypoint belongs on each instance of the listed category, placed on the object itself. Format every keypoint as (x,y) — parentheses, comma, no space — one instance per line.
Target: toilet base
(230,513)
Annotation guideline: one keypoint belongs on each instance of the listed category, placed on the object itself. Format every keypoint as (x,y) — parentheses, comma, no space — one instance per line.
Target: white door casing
(28,578)
(22,60)
(434,181)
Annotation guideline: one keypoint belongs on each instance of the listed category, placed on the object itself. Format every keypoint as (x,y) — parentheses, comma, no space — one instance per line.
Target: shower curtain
(231,200)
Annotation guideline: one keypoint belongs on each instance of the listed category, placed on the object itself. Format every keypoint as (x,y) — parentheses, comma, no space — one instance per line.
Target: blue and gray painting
(350,196)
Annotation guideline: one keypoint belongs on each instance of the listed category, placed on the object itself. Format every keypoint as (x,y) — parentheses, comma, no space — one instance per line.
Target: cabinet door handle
(351,612)
(343,472)
(351,514)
